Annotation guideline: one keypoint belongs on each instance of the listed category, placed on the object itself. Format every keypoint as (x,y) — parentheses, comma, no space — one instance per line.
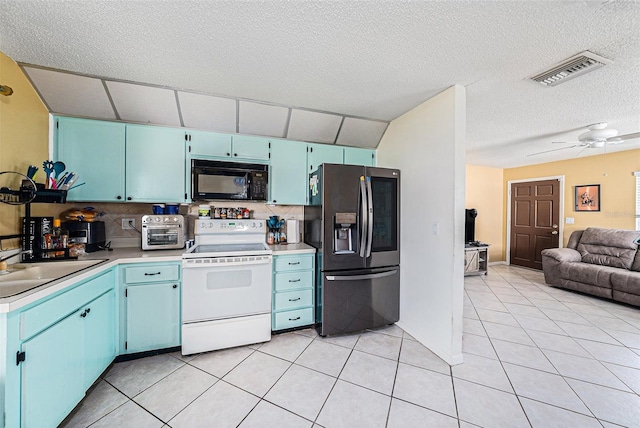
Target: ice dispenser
(344,233)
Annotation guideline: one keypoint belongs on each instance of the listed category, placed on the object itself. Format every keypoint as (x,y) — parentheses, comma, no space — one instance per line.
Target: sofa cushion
(608,247)
(596,275)
(626,281)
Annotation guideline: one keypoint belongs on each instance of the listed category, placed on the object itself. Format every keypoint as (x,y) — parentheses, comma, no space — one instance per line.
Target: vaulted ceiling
(341,67)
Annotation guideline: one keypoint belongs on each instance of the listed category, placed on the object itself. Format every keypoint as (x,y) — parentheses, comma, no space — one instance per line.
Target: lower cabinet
(68,351)
(151,306)
(476,260)
(292,302)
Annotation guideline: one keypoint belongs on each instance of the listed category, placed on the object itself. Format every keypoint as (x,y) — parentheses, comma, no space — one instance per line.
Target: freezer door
(383,247)
(350,301)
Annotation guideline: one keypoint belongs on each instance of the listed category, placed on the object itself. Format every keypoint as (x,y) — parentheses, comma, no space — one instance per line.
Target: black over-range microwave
(228,180)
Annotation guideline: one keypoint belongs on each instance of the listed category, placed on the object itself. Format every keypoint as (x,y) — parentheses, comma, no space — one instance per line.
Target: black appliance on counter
(353,222)
(89,233)
(470,225)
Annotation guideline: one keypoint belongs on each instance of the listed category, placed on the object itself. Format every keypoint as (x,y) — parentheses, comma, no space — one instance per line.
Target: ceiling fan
(597,136)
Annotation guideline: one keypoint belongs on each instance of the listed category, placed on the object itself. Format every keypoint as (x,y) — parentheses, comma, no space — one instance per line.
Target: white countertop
(113,258)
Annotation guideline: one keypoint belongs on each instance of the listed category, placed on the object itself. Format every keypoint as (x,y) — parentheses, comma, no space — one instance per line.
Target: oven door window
(162,236)
(227,184)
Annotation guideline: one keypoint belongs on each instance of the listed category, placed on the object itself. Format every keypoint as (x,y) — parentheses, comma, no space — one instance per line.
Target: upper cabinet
(357,156)
(119,162)
(200,143)
(208,144)
(250,147)
(288,173)
(95,150)
(323,153)
(154,164)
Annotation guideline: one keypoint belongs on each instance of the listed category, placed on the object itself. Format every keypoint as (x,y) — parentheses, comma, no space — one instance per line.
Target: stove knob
(175,219)
(158,219)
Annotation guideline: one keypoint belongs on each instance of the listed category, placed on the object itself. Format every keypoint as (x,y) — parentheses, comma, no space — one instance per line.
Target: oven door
(225,287)
(162,237)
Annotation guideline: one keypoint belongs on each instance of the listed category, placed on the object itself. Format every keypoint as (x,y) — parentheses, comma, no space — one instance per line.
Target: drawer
(151,273)
(293,299)
(292,280)
(291,319)
(45,314)
(302,262)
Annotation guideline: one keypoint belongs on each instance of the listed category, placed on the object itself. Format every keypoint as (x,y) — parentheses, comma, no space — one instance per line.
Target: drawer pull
(294,280)
(294,319)
(294,263)
(151,274)
(294,300)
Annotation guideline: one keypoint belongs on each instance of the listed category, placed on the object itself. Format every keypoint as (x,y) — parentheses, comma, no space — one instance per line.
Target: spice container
(204,211)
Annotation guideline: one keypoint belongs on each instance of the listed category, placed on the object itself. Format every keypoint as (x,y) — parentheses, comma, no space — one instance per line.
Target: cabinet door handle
(88,310)
(83,314)
(228,154)
(294,319)
(129,198)
(151,274)
(294,263)
(175,285)
(294,280)
(294,300)
(118,197)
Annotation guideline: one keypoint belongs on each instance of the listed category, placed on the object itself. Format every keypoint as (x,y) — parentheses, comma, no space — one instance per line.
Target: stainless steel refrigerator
(353,222)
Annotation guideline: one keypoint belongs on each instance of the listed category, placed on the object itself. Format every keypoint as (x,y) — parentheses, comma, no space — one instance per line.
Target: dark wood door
(535,221)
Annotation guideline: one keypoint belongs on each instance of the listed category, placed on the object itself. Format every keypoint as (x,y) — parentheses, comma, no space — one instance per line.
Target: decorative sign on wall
(587,197)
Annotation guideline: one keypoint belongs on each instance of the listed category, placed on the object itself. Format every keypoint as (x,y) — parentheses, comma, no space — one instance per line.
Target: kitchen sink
(26,276)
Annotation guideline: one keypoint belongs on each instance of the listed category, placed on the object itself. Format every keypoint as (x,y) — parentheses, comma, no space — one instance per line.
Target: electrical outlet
(128,223)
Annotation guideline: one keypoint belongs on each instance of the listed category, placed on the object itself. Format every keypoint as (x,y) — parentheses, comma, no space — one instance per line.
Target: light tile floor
(533,356)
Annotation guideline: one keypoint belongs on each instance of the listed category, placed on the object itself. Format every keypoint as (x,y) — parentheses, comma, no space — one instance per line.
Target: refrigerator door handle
(363,217)
(361,277)
(369,217)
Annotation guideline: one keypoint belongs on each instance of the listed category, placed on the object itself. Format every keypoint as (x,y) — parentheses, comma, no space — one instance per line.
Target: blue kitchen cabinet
(318,154)
(288,173)
(99,335)
(200,143)
(51,380)
(95,150)
(358,156)
(244,147)
(293,291)
(155,162)
(66,342)
(152,306)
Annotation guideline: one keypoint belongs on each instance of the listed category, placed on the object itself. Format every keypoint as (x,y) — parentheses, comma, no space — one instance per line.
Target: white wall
(427,145)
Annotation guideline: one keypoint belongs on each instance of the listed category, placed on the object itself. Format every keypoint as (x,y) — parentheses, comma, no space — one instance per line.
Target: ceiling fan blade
(564,142)
(554,150)
(620,138)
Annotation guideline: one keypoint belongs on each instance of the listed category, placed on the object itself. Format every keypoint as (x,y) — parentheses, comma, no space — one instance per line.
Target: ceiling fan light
(598,135)
(596,144)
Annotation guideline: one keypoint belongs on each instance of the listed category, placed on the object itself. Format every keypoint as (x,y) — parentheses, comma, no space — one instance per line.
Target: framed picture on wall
(587,197)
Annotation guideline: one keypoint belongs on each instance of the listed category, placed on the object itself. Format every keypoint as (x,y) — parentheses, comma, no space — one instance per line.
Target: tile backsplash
(113,213)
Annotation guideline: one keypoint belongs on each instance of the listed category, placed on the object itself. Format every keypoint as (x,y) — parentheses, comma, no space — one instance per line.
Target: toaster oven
(162,232)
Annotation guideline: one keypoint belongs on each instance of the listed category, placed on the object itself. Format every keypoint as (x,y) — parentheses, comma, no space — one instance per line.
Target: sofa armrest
(563,254)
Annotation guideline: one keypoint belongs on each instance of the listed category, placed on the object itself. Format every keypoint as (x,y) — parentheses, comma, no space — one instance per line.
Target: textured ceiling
(366,59)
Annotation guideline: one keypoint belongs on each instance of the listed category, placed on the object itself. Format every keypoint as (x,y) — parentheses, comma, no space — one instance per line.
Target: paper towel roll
(293,231)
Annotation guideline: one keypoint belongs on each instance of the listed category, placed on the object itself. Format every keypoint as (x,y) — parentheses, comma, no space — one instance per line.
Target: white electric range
(226,286)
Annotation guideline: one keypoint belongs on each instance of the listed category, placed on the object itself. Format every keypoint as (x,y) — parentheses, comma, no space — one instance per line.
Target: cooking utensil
(47,166)
(58,167)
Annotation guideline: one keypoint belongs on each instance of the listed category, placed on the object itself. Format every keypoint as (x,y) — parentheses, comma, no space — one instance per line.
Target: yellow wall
(24,136)
(484,192)
(612,171)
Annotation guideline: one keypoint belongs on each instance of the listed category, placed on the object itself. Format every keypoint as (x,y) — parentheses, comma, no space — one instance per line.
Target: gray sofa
(601,262)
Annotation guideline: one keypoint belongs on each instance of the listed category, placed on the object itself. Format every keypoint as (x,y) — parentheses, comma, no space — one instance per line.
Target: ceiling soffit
(98,98)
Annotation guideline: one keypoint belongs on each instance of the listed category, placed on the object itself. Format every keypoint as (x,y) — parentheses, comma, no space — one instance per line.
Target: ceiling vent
(575,66)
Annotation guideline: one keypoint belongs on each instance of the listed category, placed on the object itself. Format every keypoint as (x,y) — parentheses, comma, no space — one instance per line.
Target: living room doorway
(534,219)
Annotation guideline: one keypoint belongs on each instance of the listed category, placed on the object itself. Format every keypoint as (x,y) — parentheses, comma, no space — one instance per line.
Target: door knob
(555,232)
(555,226)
